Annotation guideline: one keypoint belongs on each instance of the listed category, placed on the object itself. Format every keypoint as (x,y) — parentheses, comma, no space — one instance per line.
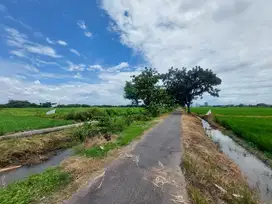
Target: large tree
(131,93)
(143,87)
(187,85)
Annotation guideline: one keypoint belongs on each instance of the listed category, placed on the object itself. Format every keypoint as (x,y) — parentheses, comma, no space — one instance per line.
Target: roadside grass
(255,131)
(34,149)
(35,187)
(11,123)
(125,137)
(211,176)
(234,111)
(56,184)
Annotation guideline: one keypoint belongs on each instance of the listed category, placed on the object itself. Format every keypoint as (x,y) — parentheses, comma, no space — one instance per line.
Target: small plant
(1,132)
(86,131)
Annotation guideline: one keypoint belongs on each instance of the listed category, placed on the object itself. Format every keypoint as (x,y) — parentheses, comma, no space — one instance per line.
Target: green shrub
(1,131)
(85,131)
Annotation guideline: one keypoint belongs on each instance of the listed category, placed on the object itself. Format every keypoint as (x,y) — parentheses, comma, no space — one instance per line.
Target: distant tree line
(24,104)
(243,105)
(27,104)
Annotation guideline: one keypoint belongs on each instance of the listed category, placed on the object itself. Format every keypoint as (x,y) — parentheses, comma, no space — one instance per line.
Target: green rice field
(21,119)
(253,124)
(235,111)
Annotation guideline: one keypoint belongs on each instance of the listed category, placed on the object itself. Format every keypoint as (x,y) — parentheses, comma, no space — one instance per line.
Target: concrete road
(150,173)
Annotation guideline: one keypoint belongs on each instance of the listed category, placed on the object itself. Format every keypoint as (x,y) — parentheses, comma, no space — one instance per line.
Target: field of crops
(253,124)
(19,119)
(235,111)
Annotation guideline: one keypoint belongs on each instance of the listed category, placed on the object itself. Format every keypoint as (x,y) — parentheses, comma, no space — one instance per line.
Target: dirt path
(148,174)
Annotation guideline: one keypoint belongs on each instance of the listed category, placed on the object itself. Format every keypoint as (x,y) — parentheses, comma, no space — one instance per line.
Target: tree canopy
(187,85)
(131,93)
(180,86)
(143,87)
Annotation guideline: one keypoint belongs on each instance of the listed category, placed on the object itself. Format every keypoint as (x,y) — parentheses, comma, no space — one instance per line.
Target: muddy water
(26,171)
(258,174)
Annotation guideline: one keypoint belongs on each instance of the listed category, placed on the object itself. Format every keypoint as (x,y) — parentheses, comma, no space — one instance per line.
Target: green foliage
(19,104)
(131,93)
(35,187)
(153,109)
(187,85)
(109,124)
(143,87)
(19,119)
(131,132)
(86,131)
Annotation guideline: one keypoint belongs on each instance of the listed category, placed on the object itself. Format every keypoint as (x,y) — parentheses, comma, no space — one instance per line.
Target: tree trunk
(188,108)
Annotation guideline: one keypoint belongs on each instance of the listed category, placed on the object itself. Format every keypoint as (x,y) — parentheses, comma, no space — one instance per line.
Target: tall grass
(35,187)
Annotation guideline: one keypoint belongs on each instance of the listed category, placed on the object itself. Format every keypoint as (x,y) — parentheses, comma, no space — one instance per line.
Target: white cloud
(78,76)
(102,93)
(3,8)
(19,40)
(37,82)
(18,53)
(74,51)
(42,50)
(44,63)
(23,70)
(95,67)
(75,67)
(19,76)
(81,24)
(61,42)
(50,41)
(118,67)
(19,21)
(115,69)
(88,34)
(12,68)
(226,36)
(31,68)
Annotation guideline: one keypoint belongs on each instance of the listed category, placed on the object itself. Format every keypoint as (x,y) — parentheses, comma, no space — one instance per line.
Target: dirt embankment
(33,150)
(211,176)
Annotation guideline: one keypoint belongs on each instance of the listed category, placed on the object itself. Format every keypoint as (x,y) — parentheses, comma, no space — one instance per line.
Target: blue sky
(84,51)
(53,43)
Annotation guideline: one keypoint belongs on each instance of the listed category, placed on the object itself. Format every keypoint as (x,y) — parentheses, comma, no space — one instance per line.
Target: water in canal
(26,171)
(258,174)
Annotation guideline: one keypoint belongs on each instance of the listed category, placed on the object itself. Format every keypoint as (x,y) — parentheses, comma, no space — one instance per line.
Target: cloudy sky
(83,51)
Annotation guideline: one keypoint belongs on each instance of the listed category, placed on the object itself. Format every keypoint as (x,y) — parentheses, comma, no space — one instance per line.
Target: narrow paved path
(149,174)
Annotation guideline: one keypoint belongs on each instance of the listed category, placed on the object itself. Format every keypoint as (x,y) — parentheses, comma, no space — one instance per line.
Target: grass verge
(211,176)
(35,187)
(57,184)
(32,150)
(132,132)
